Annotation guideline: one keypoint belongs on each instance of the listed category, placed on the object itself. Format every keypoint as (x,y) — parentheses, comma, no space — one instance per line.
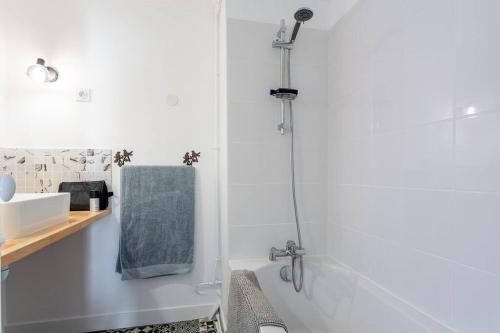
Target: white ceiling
(326,12)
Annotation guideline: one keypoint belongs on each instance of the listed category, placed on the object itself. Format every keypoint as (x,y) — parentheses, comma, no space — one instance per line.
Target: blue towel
(157,221)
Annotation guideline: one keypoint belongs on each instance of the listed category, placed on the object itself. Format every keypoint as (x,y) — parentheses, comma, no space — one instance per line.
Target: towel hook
(122,157)
(190,158)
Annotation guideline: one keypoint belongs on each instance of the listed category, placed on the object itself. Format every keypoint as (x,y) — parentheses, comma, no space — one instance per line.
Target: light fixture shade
(41,73)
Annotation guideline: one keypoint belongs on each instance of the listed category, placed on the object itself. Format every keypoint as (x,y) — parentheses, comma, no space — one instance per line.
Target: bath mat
(191,326)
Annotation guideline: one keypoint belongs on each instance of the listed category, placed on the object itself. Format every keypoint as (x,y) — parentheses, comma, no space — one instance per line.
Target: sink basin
(28,213)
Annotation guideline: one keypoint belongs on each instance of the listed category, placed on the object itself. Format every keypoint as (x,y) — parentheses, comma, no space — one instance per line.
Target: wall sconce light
(41,73)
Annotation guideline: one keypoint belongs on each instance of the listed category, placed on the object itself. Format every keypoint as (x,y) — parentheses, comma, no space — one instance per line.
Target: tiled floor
(192,326)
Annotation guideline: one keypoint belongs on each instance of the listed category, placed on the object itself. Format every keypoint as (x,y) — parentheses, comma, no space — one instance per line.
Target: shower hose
(297,280)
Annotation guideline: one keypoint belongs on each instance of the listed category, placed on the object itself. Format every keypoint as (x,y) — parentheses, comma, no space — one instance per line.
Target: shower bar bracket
(282,44)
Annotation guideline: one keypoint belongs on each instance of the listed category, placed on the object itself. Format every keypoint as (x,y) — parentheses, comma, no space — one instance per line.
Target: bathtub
(335,299)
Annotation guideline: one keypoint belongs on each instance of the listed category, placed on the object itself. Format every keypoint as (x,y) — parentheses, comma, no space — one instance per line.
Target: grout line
(281,224)
(454,153)
(429,189)
(452,296)
(277,183)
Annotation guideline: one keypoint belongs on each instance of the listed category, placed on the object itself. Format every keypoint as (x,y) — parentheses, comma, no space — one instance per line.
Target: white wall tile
(310,118)
(429,61)
(259,204)
(310,166)
(417,219)
(312,198)
(311,80)
(271,203)
(255,241)
(476,301)
(353,164)
(353,116)
(254,122)
(259,163)
(387,86)
(351,206)
(351,247)
(478,152)
(252,42)
(478,68)
(423,280)
(371,314)
(311,47)
(475,231)
(252,80)
(421,157)
(380,18)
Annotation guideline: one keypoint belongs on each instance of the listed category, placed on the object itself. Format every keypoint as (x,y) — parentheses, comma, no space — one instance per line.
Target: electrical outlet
(83,95)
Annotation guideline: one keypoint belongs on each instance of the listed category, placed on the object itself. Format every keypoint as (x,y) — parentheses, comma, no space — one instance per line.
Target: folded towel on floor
(249,309)
(157,221)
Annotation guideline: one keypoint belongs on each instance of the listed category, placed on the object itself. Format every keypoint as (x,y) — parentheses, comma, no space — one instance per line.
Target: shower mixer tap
(292,250)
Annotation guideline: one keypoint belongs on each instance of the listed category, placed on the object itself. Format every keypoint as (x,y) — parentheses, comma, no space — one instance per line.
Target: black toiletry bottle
(95,201)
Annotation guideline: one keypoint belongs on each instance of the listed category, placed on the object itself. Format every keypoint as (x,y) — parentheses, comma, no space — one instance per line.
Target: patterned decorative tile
(192,326)
(42,170)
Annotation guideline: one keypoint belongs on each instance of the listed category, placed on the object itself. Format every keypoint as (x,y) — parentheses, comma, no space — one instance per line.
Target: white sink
(28,213)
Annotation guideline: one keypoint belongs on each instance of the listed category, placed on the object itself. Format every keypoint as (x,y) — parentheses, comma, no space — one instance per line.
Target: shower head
(302,15)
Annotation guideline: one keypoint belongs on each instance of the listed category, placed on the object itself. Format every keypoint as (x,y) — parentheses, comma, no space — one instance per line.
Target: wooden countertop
(16,249)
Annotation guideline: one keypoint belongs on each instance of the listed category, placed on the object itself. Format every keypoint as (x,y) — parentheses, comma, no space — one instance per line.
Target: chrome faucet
(292,250)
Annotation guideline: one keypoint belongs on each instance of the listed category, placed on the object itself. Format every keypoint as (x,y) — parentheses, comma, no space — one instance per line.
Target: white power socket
(83,95)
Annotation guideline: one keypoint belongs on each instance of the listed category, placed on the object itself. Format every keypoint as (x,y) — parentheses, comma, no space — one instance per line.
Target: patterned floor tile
(192,326)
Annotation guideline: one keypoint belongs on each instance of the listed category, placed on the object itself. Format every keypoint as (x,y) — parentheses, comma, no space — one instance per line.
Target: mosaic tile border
(42,170)
(191,326)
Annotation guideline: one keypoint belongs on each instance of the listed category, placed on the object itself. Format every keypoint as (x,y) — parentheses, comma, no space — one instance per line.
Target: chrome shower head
(302,15)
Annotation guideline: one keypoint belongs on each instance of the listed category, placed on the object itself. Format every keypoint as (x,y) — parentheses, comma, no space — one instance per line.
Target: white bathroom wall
(132,54)
(260,214)
(2,72)
(414,191)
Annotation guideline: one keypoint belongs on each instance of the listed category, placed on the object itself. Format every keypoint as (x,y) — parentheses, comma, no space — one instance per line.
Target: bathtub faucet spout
(292,250)
(275,254)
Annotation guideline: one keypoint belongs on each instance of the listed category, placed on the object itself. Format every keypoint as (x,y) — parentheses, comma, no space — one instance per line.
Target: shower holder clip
(284,93)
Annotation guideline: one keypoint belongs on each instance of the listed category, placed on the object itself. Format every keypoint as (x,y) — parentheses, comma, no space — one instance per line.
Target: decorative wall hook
(122,157)
(190,158)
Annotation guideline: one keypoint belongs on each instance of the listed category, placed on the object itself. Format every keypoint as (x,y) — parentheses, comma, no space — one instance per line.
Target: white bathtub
(336,300)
